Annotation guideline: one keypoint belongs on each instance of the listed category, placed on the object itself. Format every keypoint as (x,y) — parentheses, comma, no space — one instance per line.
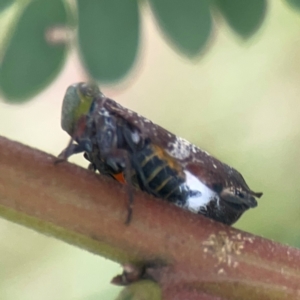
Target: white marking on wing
(182,149)
(135,137)
(179,148)
(196,202)
(104,112)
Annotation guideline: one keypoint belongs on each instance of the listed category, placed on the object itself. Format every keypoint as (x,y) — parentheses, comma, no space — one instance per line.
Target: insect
(130,148)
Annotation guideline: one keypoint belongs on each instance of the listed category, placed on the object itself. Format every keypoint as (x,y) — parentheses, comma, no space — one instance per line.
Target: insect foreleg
(111,159)
(83,145)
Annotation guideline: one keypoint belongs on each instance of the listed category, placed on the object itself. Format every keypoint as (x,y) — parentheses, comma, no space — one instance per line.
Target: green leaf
(294,3)
(30,62)
(143,289)
(244,16)
(108,34)
(187,23)
(5,3)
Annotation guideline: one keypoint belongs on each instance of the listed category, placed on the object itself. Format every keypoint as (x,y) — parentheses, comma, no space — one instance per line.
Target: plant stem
(186,252)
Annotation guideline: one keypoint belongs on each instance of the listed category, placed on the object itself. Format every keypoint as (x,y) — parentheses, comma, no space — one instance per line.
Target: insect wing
(200,163)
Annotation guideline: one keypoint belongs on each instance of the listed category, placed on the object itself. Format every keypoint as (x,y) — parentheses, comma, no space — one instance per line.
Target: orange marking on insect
(161,153)
(120,177)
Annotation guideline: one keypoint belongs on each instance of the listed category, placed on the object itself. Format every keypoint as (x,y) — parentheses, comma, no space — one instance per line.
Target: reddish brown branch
(188,252)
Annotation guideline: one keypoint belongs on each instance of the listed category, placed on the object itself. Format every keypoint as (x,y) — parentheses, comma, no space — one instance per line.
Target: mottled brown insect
(120,143)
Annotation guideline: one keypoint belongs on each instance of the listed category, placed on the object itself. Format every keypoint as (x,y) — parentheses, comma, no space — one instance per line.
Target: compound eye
(86,90)
(240,194)
(89,90)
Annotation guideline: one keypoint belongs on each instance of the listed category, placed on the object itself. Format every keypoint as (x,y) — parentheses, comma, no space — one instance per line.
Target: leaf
(294,3)
(141,290)
(5,3)
(187,23)
(30,62)
(108,37)
(243,16)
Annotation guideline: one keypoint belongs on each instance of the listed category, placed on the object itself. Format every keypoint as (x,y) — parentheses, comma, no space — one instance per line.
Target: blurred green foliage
(244,16)
(294,3)
(108,37)
(188,24)
(30,63)
(107,34)
(5,3)
(143,290)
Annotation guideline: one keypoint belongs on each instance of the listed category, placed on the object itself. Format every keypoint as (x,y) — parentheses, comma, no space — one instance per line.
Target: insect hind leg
(118,160)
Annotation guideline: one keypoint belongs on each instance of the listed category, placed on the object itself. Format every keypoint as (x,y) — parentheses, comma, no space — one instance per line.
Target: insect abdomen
(154,173)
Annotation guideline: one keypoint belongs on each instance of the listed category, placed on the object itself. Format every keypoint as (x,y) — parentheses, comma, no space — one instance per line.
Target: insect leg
(119,158)
(127,174)
(73,148)
(116,159)
(92,165)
